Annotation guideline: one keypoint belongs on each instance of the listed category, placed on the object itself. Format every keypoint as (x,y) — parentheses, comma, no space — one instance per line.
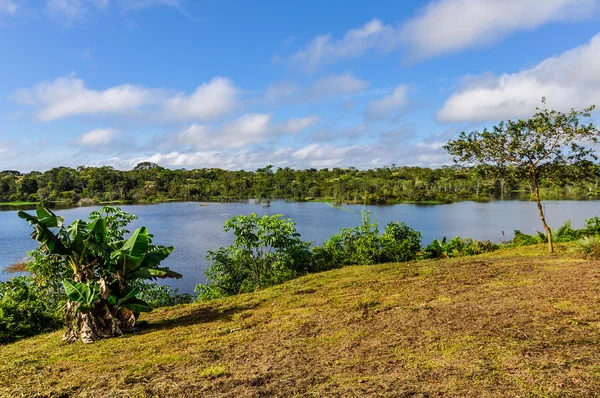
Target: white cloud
(251,128)
(313,155)
(68,96)
(324,49)
(97,138)
(210,101)
(298,124)
(327,87)
(443,26)
(447,26)
(569,80)
(388,105)
(8,7)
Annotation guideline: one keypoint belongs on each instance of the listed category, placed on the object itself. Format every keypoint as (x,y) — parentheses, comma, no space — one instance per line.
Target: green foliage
(546,144)
(393,184)
(590,245)
(266,251)
(26,309)
(364,245)
(592,226)
(457,247)
(99,267)
(161,295)
(566,233)
(84,295)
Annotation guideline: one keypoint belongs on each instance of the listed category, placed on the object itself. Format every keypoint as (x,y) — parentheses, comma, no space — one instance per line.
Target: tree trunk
(536,191)
(96,324)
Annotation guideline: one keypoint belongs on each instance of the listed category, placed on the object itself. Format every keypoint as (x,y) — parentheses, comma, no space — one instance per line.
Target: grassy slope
(511,323)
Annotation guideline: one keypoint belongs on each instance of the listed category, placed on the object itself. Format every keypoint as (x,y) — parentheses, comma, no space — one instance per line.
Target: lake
(194,229)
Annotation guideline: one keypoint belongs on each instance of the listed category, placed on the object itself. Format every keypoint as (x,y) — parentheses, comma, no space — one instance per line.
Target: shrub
(266,251)
(590,245)
(26,310)
(521,239)
(592,226)
(161,295)
(363,245)
(457,247)
(566,233)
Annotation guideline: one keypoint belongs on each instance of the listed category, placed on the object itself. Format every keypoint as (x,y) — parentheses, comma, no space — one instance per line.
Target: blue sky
(241,84)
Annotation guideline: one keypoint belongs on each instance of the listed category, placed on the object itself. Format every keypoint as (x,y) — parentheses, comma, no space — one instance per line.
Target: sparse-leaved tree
(548,140)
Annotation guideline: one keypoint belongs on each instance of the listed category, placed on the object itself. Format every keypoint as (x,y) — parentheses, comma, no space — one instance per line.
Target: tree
(102,266)
(549,139)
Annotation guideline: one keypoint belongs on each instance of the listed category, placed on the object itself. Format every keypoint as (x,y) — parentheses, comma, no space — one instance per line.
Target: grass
(17,204)
(515,322)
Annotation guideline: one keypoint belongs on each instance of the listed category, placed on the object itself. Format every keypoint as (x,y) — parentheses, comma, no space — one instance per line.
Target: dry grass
(511,323)
(17,267)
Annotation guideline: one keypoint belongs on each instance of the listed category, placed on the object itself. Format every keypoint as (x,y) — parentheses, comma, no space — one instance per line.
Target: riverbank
(517,322)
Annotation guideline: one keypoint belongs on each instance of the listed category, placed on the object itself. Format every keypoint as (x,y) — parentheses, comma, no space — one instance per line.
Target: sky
(305,84)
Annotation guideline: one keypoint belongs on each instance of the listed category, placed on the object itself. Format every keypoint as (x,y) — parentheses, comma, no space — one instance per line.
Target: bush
(592,226)
(566,233)
(266,251)
(26,310)
(161,295)
(590,245)
(363,245)
(457,247)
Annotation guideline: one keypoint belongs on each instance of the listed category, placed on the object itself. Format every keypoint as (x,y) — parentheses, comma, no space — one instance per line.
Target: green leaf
(137,305)
(153,273)
(77,292)
(156,255)
(128,294)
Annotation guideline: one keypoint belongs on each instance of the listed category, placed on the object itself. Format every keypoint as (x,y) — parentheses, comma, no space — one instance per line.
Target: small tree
(547,140)
(100,268)
(266,251)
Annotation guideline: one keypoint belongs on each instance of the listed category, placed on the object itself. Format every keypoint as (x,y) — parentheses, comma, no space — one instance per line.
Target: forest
(149,182)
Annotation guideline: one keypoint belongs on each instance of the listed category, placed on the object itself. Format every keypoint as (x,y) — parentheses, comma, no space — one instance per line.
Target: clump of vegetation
(98,266)
(161,295)
(364,245)
(266,251)
(457,247)
(566,233)
(590,245)
(27,309)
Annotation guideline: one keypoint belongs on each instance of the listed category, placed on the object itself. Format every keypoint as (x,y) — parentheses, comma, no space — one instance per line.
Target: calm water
(194,229)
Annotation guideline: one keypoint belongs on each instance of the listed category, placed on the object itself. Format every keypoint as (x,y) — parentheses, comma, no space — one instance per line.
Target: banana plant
(103,264)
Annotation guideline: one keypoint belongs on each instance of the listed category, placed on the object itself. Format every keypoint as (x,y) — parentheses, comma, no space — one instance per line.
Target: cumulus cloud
(441,27)
(251,128)
(328,87)
(388,105)
(325,49)
(69,96)
(297,124)
(210,101)
(8,7)
(97,138)
(317,155)
(447,26)
(568,80)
